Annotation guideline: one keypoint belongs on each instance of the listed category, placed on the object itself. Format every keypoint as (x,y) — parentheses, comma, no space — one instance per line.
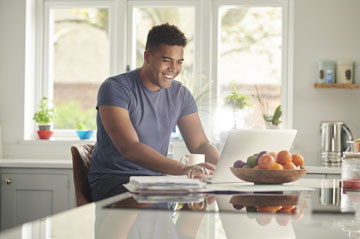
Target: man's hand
(200,171)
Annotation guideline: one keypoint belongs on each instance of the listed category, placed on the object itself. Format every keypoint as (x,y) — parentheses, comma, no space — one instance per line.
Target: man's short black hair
(165,34)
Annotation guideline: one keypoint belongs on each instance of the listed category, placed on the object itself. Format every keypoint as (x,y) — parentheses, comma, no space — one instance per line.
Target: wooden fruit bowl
(265,176)
(264,200)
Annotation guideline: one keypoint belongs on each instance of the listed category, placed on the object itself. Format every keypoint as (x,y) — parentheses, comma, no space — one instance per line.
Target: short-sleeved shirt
(154,115)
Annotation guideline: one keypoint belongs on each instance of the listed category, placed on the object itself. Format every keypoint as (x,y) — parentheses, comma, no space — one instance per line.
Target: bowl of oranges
(270,168)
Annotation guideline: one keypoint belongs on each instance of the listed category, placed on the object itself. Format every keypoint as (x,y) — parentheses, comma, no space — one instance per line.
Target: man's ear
(146,56)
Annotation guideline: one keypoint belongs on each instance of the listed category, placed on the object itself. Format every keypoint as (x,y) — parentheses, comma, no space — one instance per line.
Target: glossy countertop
(67,163)
(206,216)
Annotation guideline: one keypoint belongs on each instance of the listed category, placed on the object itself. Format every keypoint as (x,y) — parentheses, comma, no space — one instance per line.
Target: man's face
(165,64)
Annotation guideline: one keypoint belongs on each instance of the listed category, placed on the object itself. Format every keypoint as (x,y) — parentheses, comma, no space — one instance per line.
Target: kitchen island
(208,216)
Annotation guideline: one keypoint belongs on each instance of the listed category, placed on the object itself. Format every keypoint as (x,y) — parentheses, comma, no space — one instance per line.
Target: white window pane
(182,17)
(80,63)
(250,51)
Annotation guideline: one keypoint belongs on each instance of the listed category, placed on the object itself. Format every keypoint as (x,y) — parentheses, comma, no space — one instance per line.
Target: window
(250,51)
(240,44)
(76,61)
(144,18)
(80,59)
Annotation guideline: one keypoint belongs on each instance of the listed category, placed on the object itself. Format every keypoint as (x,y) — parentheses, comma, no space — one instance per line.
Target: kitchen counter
(216,216)
(323,169)
(67,163)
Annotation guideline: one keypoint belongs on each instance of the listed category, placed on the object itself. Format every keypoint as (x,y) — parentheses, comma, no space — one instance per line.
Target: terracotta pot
(45,134)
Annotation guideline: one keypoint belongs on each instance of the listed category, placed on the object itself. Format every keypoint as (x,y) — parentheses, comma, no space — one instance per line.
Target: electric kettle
(334,135)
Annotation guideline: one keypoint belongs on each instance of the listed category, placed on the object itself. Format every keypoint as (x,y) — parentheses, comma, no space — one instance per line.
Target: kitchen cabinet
(315,175)
(32,193)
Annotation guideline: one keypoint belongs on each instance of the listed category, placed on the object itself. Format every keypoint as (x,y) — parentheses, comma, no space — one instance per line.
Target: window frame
(44,73)
(286,78)
(202,44)
(206,43)
(131,49)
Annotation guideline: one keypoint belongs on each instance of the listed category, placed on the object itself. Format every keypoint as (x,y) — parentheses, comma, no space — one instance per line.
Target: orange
(266,161)
(276,166)
(289,166)
(297,214)
(298,160)
(283,157)
(283,220)
(271,209)
(273,154)
(256,167)
(286,209)
(264,219)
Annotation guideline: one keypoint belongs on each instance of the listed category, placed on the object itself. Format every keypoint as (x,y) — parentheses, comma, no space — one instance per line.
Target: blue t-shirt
(153,115)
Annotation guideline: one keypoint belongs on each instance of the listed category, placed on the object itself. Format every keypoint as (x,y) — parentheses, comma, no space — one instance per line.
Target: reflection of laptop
(242,143)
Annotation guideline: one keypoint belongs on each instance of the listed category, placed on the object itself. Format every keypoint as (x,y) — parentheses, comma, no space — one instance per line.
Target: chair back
(81,159)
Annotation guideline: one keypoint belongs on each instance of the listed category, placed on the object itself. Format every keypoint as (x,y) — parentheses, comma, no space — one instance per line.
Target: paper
(195,198)
(164,182)
(183,185)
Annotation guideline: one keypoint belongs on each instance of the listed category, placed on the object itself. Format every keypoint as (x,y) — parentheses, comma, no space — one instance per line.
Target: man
(137,112)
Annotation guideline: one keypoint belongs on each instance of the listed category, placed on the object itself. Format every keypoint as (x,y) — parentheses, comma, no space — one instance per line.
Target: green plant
(273,119)
(80,126)
(235,100)
(45,115)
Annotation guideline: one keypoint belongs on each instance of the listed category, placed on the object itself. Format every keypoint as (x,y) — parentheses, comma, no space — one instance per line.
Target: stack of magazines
(163,184)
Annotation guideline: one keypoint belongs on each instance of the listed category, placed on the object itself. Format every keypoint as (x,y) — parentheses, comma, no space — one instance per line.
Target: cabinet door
(314,175)
(333,176)
(26,197)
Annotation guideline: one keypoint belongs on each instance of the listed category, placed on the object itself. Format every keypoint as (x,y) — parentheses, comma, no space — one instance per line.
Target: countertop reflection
(326,212)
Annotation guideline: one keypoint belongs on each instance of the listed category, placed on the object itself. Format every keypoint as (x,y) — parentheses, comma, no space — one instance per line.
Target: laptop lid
(242,143)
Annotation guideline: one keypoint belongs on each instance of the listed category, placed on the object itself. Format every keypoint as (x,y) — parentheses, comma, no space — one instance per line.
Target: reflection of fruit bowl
(265,176)
(264,200)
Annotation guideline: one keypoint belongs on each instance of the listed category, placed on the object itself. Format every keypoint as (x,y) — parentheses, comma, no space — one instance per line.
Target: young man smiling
(137,112)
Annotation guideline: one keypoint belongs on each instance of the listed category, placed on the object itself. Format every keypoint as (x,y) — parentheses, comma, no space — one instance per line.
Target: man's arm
(117,124)
(195,139)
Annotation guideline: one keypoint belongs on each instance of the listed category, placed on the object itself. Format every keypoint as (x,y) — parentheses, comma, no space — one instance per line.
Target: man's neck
(144,77)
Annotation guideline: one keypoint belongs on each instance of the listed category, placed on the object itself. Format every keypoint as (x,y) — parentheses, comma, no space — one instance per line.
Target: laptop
(242,143)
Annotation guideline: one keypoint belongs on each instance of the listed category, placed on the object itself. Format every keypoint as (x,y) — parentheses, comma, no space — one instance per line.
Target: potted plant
(271,121)
(85,128)
(43,118)
(236,101)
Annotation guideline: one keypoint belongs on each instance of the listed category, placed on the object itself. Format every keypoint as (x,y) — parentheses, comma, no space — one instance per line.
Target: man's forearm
(147,157)
(211,153)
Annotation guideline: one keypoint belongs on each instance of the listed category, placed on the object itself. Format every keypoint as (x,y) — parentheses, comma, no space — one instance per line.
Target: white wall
(12,69)
(323,29)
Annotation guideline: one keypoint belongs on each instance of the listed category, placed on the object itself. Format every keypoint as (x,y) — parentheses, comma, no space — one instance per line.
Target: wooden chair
(81,159)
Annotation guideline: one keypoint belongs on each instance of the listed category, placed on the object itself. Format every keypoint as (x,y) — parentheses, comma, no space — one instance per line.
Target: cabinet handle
(8,180)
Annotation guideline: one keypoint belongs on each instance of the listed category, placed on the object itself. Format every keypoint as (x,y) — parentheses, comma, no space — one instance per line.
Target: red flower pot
(44,134)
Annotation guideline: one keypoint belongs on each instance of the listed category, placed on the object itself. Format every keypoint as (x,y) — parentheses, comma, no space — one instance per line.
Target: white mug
(192,159)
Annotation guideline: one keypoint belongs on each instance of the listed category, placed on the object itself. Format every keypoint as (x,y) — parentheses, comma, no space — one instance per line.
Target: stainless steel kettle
(334,135)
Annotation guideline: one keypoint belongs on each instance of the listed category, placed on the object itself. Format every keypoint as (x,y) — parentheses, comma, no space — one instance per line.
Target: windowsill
(56,141)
